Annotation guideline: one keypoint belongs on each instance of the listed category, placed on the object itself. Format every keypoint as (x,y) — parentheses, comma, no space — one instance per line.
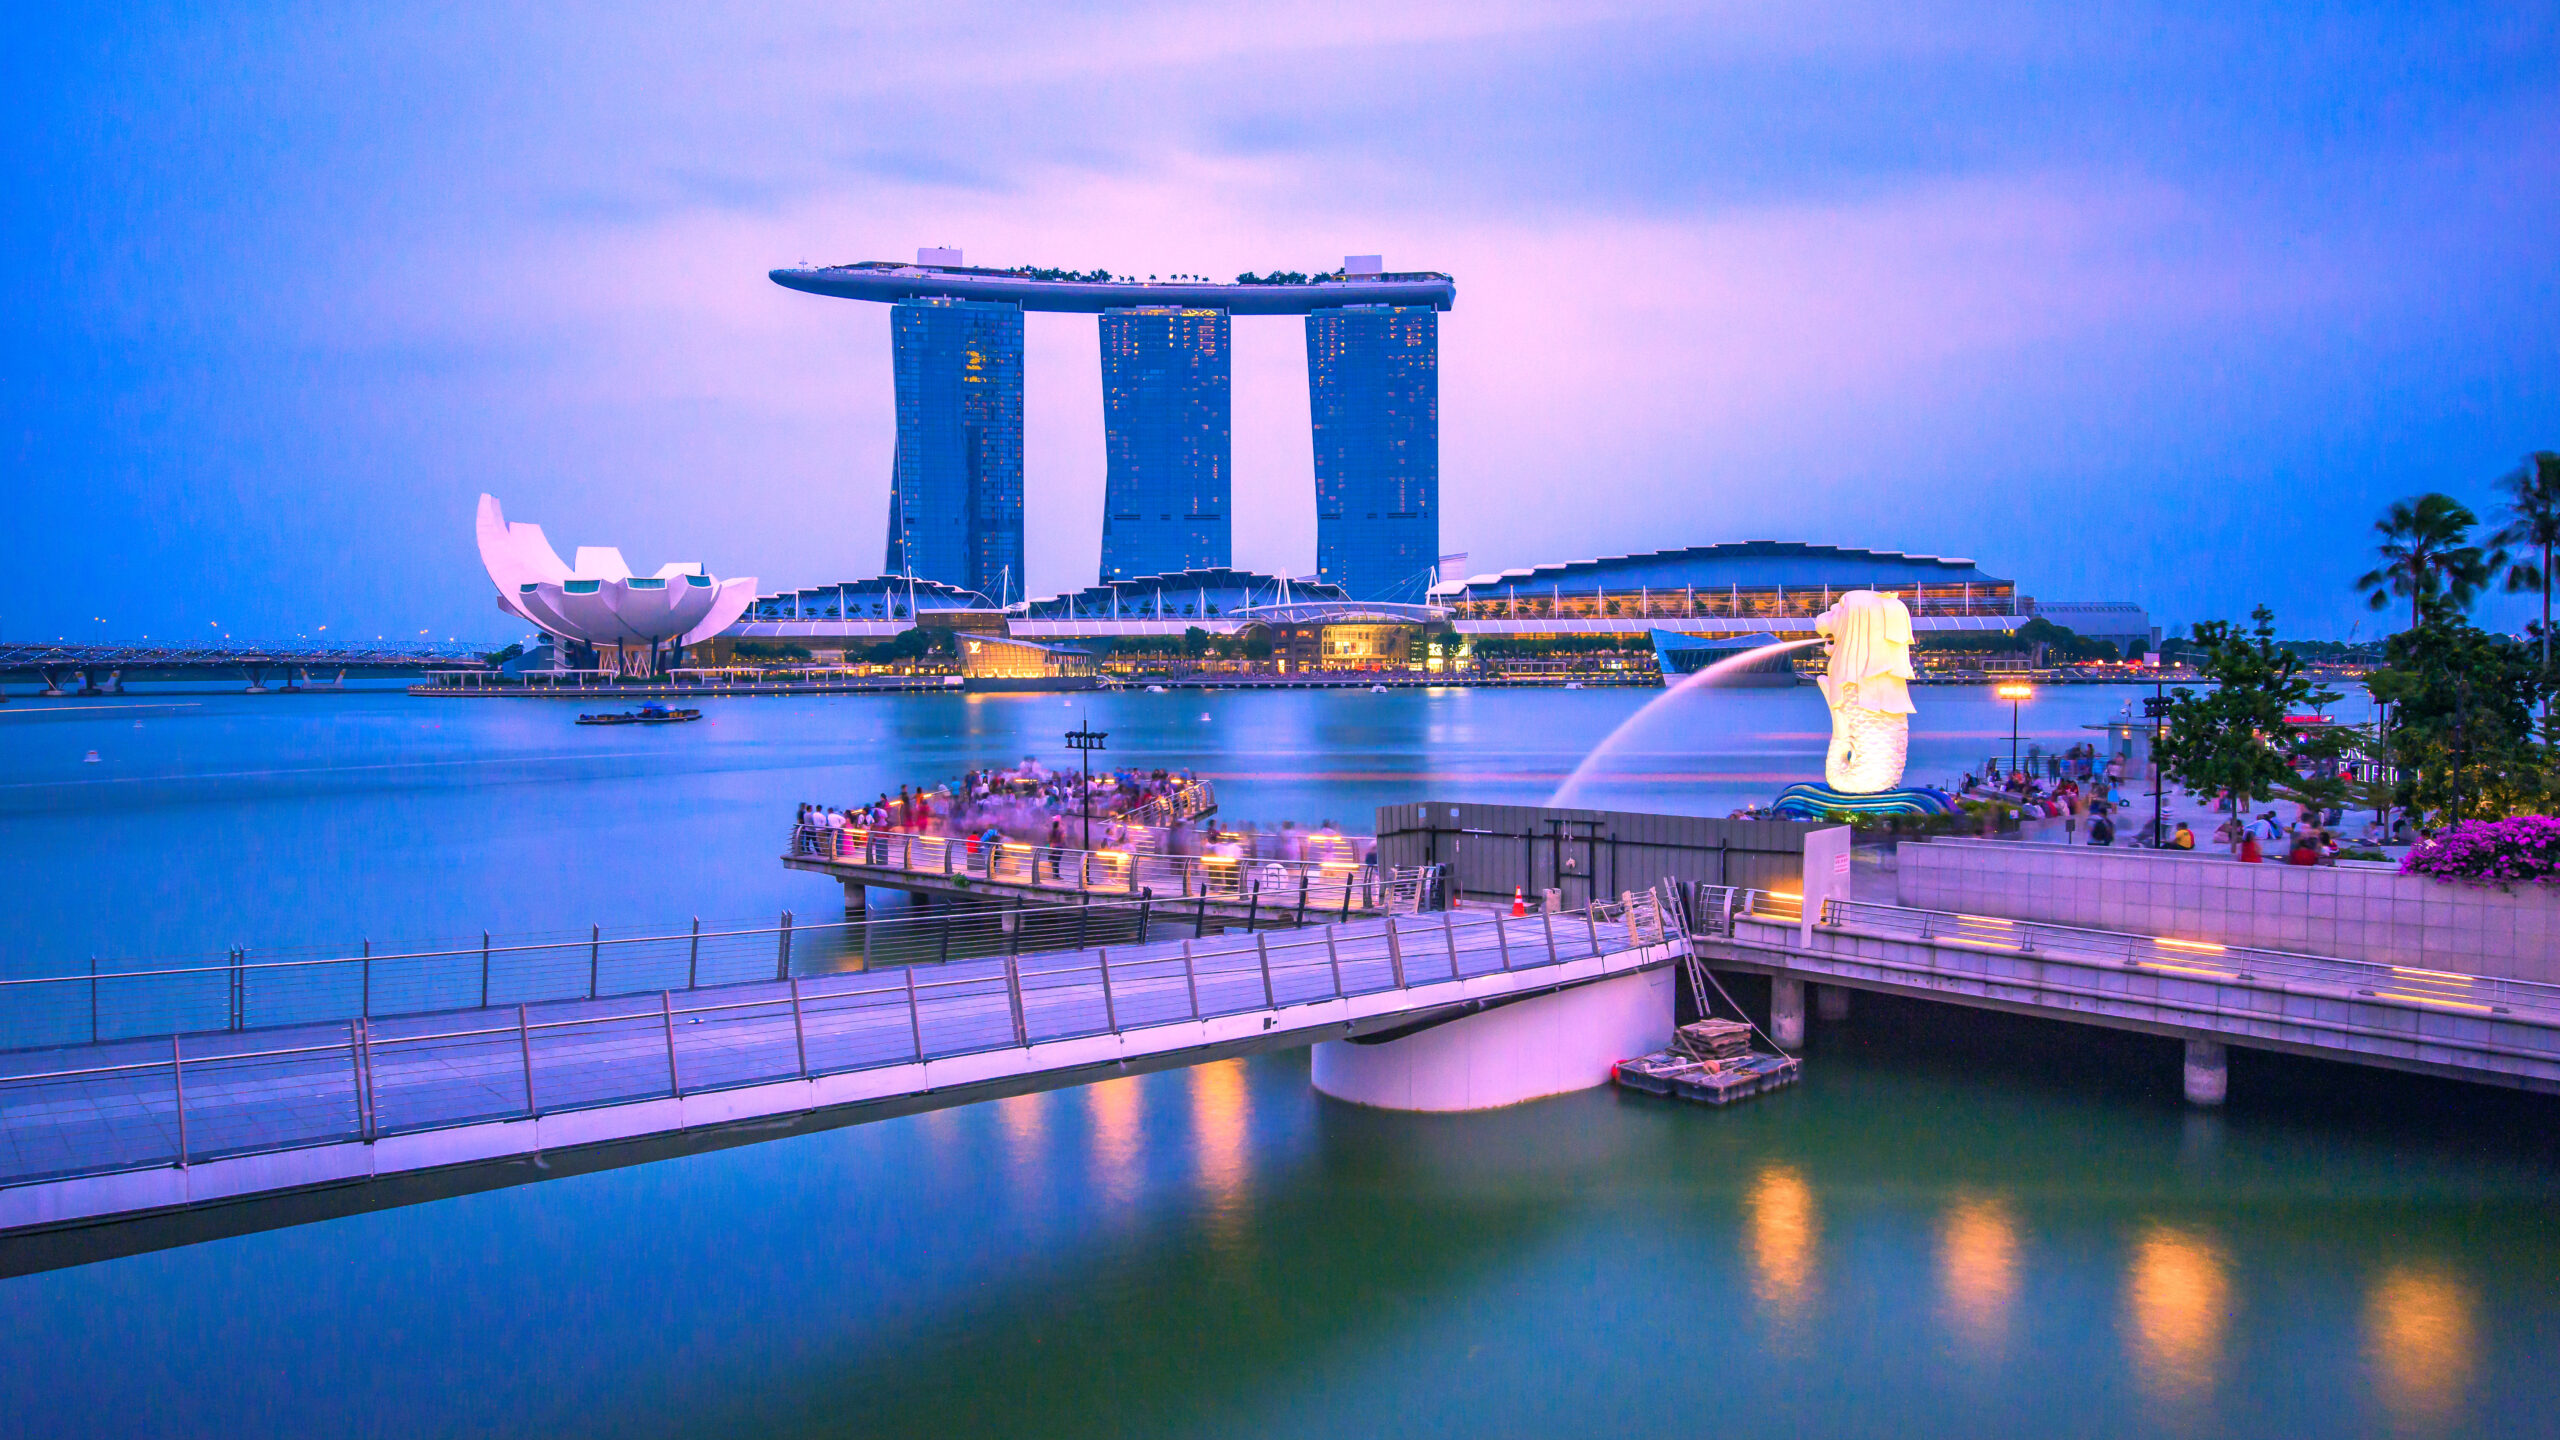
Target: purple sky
(2132,301)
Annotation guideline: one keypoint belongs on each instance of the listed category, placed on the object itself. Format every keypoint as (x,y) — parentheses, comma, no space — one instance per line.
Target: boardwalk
(80,1124)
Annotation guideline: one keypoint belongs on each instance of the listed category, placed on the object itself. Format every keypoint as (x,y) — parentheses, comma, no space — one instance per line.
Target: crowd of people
(2088,796)
(1033,805)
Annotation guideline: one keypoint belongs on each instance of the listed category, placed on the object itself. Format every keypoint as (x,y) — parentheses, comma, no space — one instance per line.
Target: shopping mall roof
(1744,563)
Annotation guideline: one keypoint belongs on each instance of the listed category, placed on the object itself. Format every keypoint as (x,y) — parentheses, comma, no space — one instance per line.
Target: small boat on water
(646,715)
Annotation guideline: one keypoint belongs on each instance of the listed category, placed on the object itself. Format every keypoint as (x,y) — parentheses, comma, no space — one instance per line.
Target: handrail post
(1502,941)
(1146,908)
(524,1047)
(1591,922)
(1549,916)
(484,969)
(1253,906)
(1200,916)
(1333,957)
(1084,913)
(178,1087)
(364,994)
(1302,896)
(1635,939)
(693,957)
(239,984)
(595,957)
(372,1110)
(1013,993)
(355,1077)
(667,1015)
(1190,980)
(1395,952)
(782,957)
(1262,948)
(1449,935)
(1110,1012)
(915,1014)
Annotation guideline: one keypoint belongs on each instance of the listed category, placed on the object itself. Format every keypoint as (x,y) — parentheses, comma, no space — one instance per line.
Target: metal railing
(236,991)
(1189,800)
(180,1100)
(1315,888)
(1715,911)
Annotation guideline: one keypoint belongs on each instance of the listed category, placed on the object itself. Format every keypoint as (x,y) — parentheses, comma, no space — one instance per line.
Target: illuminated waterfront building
(1166,410)
(1373,386)
(955,494)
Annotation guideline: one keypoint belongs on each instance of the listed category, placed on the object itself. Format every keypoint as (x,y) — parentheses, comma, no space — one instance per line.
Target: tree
(2427,556)
(2233,738)
(2461,728)
(2533,523)
(1195,641)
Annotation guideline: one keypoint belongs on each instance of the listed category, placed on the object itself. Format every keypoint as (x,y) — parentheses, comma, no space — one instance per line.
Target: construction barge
(1710,1061)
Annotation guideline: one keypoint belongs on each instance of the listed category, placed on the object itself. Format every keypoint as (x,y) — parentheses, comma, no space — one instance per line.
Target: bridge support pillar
(1830,1003)
(1526,1050)
(1786,1011)
(857,899)
(2208,1073)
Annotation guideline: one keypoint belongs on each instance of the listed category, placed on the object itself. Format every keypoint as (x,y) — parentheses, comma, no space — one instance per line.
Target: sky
(2155,302)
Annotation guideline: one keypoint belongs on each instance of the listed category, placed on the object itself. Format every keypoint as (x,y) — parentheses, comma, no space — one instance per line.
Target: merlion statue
(1870,637)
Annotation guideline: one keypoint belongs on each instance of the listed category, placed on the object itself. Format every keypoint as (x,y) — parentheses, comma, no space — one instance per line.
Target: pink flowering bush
(2524,850)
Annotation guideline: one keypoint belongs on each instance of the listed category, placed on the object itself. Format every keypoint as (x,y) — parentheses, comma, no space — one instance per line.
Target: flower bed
(2524,850)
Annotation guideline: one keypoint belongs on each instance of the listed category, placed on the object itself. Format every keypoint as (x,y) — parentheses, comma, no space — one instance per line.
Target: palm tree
(2427,555)
(2533,522)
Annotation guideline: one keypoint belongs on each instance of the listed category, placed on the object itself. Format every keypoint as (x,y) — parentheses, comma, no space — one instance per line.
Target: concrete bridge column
(1831,1003)
(2208,1075)
(1786,1011)
(857,899)
(1526,1050)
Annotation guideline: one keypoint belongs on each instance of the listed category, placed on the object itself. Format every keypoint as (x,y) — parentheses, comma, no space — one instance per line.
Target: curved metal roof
(885,280)
(1743,562)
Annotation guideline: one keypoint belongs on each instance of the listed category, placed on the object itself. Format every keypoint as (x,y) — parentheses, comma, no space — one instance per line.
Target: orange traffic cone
(1519,901)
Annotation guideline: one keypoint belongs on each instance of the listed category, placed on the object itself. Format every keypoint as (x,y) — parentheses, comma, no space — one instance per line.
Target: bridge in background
(146,1108)
(102,669)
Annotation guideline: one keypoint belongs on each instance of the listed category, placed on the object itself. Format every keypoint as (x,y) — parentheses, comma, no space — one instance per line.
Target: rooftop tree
(2532,527)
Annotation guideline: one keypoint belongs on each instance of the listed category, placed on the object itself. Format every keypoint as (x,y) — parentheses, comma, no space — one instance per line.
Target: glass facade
(955,494)
(1166,373)
(1373,385)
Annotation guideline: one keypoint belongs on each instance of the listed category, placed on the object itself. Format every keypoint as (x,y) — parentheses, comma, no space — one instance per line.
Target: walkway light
(2017,693)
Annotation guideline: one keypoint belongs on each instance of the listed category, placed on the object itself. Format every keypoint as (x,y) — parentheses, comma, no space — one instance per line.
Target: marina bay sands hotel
(955,497)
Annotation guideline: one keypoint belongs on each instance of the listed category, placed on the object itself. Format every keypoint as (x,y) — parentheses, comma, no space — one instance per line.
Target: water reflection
(1221,1114)
(1024,1121)
(1116,1107)
(2178,1293)
(2419,1344)
(1782,1232)
(1978,1259)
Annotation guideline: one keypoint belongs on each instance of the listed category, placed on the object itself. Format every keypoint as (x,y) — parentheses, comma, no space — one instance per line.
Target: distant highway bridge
(102,669)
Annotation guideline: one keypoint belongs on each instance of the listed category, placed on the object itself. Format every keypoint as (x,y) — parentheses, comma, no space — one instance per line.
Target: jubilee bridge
(103,669)
(144,1107)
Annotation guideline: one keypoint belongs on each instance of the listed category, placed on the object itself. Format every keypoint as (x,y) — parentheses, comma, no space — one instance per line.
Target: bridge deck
(2482,1028)
(92,1132)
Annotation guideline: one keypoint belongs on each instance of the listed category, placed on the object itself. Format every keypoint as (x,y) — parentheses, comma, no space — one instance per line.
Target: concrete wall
(2350,911)
(1549,1045)
(1490,849)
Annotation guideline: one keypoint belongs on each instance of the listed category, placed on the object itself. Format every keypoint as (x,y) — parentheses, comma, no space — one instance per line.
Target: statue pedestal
(1814,802)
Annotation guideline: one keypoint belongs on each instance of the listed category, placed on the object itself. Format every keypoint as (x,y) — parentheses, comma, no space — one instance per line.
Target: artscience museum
(606,618)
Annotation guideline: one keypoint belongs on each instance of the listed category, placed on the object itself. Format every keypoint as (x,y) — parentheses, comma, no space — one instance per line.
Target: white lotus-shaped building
(598,601)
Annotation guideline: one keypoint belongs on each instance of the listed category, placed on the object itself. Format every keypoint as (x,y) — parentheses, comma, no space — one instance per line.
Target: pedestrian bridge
(2210,995)
(137,1141)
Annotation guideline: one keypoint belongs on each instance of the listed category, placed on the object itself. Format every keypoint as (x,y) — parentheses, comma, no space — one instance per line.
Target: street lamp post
(1085,740)
(2156,710)
(2017,693)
